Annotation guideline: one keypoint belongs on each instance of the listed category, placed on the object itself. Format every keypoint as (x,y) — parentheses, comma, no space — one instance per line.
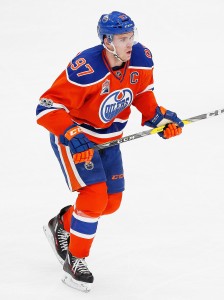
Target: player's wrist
(162,117)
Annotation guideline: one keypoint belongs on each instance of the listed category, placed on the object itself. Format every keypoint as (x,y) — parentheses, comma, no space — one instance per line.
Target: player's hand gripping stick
(173,125)
(80,146)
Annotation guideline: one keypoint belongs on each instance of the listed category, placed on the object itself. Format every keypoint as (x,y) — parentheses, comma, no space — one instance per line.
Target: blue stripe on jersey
(115,127)
(41,108)
(83,227)
(56,151)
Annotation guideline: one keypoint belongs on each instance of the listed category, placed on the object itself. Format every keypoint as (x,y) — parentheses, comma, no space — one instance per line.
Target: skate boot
(77,274)
(57,236)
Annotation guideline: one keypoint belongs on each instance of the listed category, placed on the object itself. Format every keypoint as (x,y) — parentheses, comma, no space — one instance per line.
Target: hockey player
(90,103)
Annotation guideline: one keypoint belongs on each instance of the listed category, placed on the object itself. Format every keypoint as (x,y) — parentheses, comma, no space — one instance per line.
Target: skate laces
(80,265)
(63,239)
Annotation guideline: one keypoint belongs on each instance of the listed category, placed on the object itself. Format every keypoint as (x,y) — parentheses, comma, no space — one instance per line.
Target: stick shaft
(144,133)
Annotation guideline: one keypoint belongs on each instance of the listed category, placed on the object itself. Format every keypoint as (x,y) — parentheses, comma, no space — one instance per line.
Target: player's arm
(154,115)
(145,102)
(162,116)
(55,105)
(53,113)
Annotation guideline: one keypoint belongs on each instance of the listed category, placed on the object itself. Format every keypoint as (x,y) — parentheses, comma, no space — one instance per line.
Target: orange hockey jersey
(89,93)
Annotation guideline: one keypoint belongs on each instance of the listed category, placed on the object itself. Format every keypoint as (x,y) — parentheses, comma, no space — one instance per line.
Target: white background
(167,240)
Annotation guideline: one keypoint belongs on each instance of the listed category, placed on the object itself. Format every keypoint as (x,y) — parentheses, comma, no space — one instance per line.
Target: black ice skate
(77,274)
(57,236)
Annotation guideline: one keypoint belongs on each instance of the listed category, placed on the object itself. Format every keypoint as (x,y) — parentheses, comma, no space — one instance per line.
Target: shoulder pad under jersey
(87,67)
(141,57)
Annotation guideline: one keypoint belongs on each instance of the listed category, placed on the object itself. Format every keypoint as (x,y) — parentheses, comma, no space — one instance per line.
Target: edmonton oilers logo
(115,103)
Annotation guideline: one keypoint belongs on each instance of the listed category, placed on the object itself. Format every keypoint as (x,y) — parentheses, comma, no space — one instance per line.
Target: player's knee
(92,199)
(114,202)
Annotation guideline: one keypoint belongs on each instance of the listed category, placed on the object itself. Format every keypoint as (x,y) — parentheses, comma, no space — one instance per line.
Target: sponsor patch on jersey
(46,102)
(115,103)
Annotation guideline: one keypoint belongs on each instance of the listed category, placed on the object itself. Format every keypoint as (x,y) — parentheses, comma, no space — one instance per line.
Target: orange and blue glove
(80,146)
(173,125)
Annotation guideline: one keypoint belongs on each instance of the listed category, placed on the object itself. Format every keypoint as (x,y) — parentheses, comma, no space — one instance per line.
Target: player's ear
(106,42)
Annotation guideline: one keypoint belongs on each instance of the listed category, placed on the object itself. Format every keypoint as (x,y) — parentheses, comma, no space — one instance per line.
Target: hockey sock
(90,204)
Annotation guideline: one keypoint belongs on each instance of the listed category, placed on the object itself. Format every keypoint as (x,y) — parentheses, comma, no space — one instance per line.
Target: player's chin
(128,55)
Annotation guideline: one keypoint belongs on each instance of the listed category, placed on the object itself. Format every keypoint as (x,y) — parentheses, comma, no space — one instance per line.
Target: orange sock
(90,203)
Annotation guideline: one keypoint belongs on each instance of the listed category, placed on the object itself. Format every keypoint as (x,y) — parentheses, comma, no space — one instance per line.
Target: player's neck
(112,60)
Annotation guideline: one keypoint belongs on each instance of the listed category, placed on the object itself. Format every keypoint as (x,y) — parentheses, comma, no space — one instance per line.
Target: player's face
(123,44)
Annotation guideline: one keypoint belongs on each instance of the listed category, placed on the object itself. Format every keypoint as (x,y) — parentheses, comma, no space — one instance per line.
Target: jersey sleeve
(57,104)
(64,100)
(146,103)
(145,100)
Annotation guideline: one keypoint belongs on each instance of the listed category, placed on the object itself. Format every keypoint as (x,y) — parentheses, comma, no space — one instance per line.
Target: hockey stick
(135,136)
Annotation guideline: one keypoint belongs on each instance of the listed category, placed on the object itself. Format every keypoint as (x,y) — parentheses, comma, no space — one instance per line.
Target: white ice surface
(167,240)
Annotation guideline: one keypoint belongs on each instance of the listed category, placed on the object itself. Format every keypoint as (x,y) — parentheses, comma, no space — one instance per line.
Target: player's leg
(91,202)
(83,217)
(113,204)
(113,166)
(89,206)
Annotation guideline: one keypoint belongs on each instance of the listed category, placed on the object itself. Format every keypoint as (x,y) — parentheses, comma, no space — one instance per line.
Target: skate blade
(75,284)
(50,239)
